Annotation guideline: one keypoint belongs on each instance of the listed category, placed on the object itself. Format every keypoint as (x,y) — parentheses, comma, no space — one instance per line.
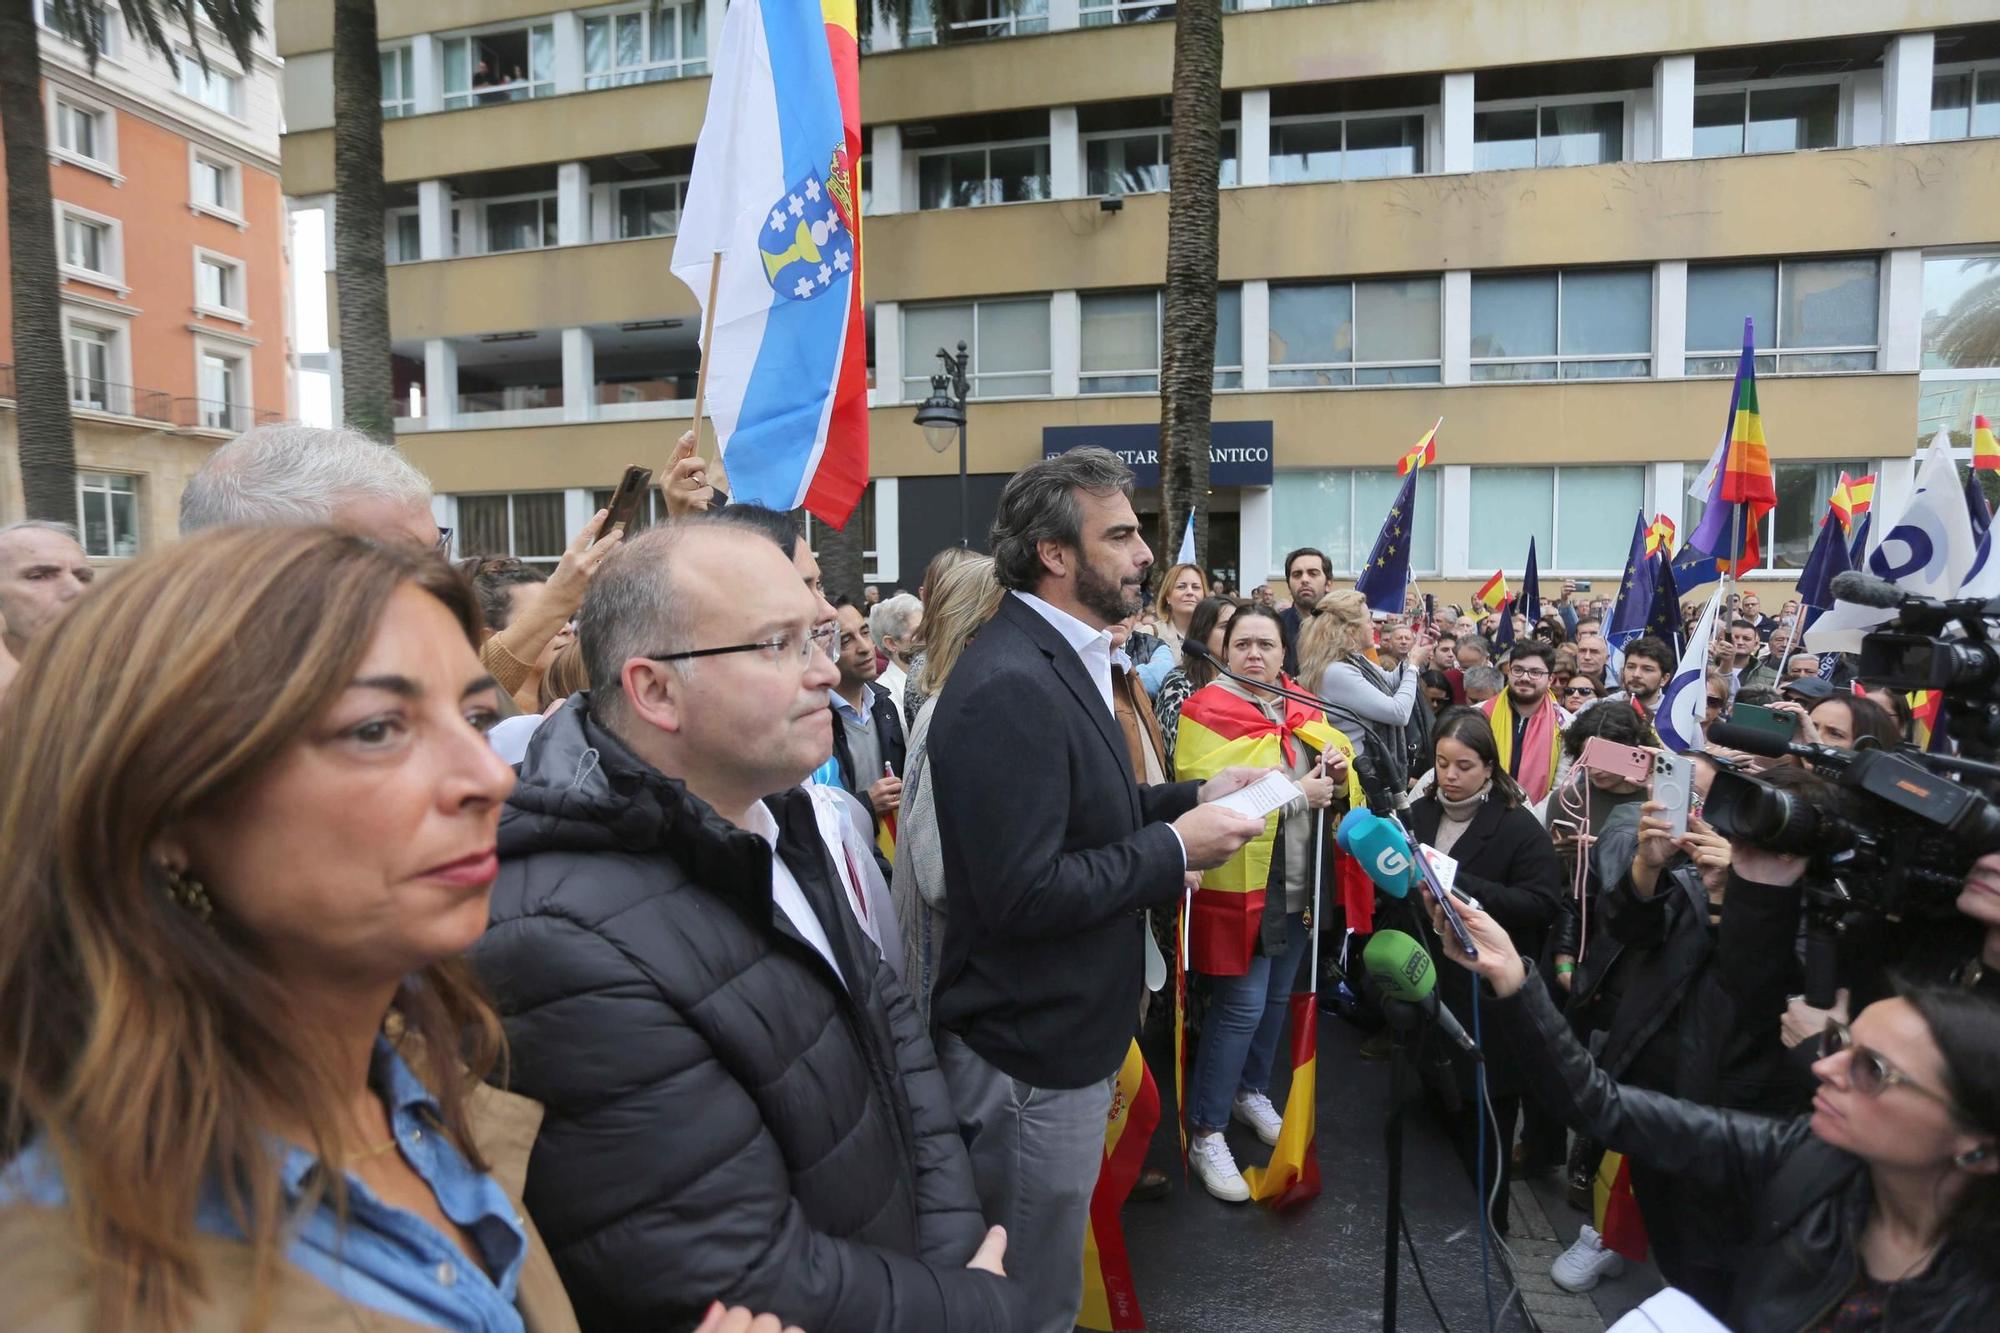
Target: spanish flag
(1852,498)
(885,836)
(1615,1210)
(1422,454)
(1493,594)
(1925,705)
(1110,1301)
(1292,1177)
(1661,535)
(1985,449)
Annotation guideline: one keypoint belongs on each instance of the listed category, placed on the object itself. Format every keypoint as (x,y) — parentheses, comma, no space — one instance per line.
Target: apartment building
(170,229)
(1543,223)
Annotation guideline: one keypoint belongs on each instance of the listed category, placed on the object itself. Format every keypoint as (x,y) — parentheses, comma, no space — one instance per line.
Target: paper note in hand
(1261,797)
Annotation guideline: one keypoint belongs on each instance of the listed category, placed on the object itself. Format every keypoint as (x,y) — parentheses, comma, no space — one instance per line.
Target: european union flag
(1664,623)
(1829,558)
(1976,507)
(1857,549)
(1635,592)
(1531,590)
(1387,573)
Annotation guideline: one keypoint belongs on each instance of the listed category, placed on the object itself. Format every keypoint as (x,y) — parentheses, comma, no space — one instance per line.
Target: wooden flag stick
(707,341)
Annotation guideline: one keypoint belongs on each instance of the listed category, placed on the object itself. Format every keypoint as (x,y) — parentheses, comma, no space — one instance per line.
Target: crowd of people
(670,941)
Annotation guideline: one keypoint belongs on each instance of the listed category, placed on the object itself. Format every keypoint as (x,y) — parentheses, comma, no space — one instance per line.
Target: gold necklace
(368,1154)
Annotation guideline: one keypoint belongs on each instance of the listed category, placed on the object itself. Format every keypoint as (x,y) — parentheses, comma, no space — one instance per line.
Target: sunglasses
(1714,701)
(1868,1072)
(1580,689)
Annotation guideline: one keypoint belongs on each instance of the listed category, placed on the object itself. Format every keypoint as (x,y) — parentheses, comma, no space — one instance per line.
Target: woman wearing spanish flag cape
(1249,925)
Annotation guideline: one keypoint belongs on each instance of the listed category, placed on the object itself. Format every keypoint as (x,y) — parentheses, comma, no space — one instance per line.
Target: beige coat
(46,1281)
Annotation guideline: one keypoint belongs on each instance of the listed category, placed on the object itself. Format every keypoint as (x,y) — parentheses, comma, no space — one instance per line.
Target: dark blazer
(1506,861)
(885,714)
(1052,851)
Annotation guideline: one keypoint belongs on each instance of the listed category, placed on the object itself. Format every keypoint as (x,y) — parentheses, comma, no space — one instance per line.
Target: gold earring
(191,894)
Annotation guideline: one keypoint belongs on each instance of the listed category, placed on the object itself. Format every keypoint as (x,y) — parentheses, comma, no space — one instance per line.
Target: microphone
(1772,746)
(1404,972)
(1382,848)
(1867,590)
(1912,611)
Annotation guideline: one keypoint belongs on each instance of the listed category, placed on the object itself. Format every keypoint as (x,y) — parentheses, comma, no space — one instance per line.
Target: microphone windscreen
(1854,586)
(1750,740)
(1382,849)
(1399,965)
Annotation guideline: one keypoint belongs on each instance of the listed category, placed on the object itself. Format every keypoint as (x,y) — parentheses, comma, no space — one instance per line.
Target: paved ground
(1203,1266)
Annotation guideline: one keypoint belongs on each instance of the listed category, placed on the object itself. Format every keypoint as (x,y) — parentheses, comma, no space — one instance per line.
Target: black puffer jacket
(725,1119)
(1809,1199)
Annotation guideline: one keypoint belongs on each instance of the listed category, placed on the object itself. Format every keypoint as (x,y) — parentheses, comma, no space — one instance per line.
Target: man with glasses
(741,1103)
(1527,724)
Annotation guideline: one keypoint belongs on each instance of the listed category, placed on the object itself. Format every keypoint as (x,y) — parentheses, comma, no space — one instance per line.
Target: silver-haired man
(43,570)
(306,475)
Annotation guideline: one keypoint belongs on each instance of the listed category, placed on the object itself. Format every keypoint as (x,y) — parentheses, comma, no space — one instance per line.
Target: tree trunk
(41,381)
(843,563)
(360,275)
(1187,343)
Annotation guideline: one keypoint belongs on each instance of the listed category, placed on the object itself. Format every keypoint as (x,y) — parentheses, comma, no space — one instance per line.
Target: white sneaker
(1586,1263)
(1255,1110)
(1215,1166)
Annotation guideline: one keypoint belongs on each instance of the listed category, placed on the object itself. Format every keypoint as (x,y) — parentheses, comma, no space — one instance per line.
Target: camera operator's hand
(1211,834)
(1761,867)
(1804,732)
(1803,1023)
(1497,960)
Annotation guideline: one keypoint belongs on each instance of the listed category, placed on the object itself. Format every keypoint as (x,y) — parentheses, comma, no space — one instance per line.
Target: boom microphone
(1403,970)
(1866,590)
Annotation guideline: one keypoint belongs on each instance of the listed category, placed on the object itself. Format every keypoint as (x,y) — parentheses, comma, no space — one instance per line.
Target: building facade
(170,227)
(1545,224)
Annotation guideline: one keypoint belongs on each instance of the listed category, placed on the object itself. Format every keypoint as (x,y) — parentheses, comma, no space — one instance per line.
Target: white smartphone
(1673,787)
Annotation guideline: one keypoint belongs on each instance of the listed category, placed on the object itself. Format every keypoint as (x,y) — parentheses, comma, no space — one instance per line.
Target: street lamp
(942,415)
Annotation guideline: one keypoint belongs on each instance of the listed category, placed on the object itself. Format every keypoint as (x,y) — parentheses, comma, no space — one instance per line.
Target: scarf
(1457,816)
(1541,743)
(1220,729)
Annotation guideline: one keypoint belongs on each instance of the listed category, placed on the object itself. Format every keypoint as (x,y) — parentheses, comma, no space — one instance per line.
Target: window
(509,66)
(216,186)
(1803,488)
(1228,338)
(83,131)
(1965,104)
(1008,342)
(649,208)
(1811,315)
(528,526)
(1565,134)
(1346,148)
(399,83)
(88,246)
(107,513)
(1580,517)
(403,236)
(1961,311)
(527,223)
(982,18)
(1342,333)
(89,355)
(1121,342)
(968,177)
(52,17)
(222,386)
(1138,163)
(1097,13)
(1579,324)
(218,285)
(211,85)
(644,45)
(1764,119)
(1340,511)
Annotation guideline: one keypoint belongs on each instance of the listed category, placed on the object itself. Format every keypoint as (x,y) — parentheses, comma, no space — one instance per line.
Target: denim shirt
(386,1258)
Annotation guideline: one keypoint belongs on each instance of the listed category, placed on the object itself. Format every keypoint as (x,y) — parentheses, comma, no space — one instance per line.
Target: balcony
(155,407)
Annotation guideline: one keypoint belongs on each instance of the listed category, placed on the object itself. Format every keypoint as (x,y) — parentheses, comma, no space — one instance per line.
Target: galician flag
(774,194)
(1185,556)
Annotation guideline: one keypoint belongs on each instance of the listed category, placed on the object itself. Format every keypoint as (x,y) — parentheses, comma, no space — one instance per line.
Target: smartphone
(626,500)
(1631,762)
(1430,610)
(1765,719)
(1673,787)
(1446,901)
(1582,585)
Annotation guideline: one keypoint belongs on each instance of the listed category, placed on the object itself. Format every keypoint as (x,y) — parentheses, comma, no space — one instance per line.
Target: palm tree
(1969,333)
(1187,343)
(367,383)
(41,382)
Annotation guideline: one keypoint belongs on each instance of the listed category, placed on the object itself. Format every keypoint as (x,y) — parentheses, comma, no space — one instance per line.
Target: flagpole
(707,343)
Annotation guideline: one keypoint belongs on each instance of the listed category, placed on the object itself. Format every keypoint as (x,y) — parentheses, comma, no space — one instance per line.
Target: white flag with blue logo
(1684,703)
(1185,556)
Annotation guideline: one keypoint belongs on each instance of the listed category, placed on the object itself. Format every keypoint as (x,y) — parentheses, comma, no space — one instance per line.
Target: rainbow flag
(1493,593)
(1852,498)
(1743,490)
(1110,1300)
(1422,454)
(1985,449)
(772,225)
(1292,1178)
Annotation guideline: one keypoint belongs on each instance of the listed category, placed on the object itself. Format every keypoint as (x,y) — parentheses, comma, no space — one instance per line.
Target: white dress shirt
(1093,646)
(785,890)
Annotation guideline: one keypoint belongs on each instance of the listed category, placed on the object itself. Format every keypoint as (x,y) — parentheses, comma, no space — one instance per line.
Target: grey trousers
(1035,1158)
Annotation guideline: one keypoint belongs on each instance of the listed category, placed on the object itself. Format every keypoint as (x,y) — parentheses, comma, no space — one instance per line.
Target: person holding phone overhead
(1248,929)
(1477,815)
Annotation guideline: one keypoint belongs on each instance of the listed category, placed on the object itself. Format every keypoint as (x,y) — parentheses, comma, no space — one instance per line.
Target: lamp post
(942,415)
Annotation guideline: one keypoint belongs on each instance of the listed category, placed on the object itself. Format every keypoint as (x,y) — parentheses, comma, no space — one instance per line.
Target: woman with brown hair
(249,811)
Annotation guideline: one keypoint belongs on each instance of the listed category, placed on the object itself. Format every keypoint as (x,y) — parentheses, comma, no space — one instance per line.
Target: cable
(1481,1200)
(1410,1243)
